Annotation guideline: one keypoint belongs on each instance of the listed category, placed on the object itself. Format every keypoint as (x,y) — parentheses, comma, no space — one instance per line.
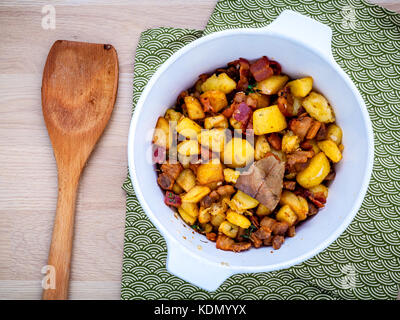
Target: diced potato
(218,208)
(190,208)
(302,215)
(162,136)
(272,84)
(320,191)
(204,215)
(334,133)
(228,229)
(218,121)
(231,175)
(190,220)
(262,99)
(261,147)
(195,194)
(301,87)
(318,107)
(297,103)
(290,142)
(210,172)
(176,188)
(295,203)
(263,210)
(184,160)
(243,201)
(237,153)
(238,219)
(222,82)
(213,139)
(188,128)
(189,147)
(216,98)
(235,124)
(194,108)
(331,150)
(217,219)
(315,173)
(286,214)
(267,120)
(172,115)
(186,179)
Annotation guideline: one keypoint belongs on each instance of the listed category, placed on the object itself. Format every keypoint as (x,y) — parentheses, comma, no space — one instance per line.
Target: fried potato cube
(210,172)
(318,107)
(162,136)
(228,229)
(231,175)
(189,147)
(190,220)
(261,147)
(195,194)
(235,124)
(290,142)
(267,120)
(213,139)
(190,208)
(301,87)
(204,215)
(302,215)
(186,179)
(243,201)
(217,219)
(294,202)
(334,133)
(331,150)
(238,219)
(172,115)
(263,210)
(218,121)
(188,128)
(237,153)
(222,83)
(194,108)
(272,84)
(176,188)
(320,191)
(315,173)
(286,214)
(217,99)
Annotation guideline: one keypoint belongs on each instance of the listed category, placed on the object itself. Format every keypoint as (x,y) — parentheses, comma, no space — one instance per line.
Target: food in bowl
(247,154)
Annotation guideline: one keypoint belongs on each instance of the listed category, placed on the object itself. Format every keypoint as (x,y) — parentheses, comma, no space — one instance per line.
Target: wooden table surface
(28,176)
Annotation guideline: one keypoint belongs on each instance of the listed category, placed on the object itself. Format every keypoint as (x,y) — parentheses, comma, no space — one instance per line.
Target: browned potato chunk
(210,172)
(194,108)
(162,136)
(217,99)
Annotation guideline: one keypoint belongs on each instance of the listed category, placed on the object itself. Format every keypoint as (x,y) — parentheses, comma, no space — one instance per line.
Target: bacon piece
(285,102)
(306,145)
(331,175)
(181,97)
(254,221)
(291,231)
(312,132)
(267,222)
(275,141)
(228,244)
(300,126)
(299,156)
(211,236)
(263,233)
(172,169)
(322,132)
(242,113)
(289,185)
(280,228)
(228,112)
(277,242)
(159,154)
(312,209)
(275,66)
(165,181)
(257,242)
(172,199)
(226,190)
(261,69)
(243,66)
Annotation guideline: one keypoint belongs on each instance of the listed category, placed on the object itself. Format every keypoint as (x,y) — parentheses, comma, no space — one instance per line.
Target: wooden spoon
(79,89)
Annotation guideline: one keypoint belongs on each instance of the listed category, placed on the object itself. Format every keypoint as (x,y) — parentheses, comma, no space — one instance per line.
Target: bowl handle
(312,33)
(197,271)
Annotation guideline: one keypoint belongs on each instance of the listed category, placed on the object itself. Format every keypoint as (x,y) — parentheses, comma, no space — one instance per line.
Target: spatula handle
(63,231)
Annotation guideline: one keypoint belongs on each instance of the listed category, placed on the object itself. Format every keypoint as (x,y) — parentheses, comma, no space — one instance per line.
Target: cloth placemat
(364,262)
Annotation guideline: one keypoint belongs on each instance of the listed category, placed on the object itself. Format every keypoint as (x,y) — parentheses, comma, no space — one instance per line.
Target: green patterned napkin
(364,262)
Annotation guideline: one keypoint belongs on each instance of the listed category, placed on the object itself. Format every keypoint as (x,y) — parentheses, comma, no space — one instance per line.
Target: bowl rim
(327,58)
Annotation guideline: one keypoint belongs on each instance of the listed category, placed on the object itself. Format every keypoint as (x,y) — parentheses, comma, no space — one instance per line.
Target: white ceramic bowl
(303,47)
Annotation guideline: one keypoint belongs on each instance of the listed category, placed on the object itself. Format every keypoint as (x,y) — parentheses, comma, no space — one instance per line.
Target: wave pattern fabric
(364,262)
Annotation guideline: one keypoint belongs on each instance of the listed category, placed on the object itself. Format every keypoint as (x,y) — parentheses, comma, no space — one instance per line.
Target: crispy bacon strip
(242,114)
(285,102)
(172,199)
(261,69)
(228,244)
(312,132)
(244,71)
(275,141)
(301,126)
(299,157)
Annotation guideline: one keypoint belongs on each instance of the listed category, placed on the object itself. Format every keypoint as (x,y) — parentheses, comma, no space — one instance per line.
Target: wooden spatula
(79,88)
